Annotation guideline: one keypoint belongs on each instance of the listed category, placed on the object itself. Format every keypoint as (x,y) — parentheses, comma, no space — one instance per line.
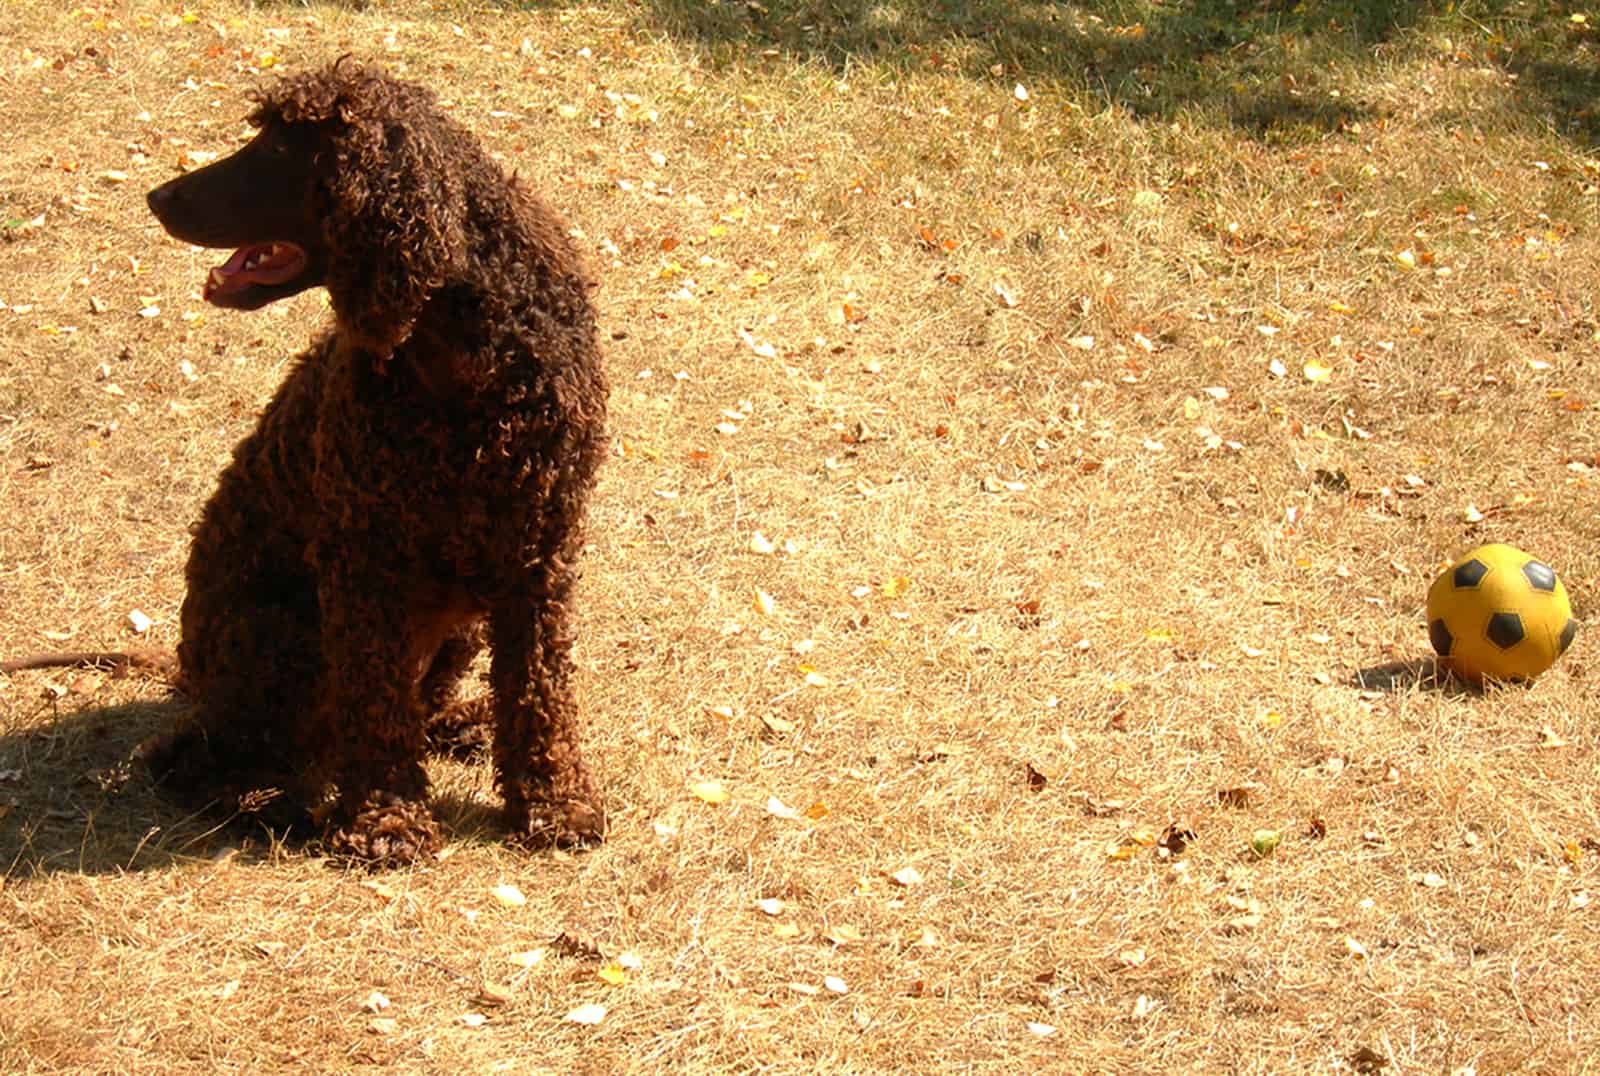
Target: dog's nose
(159,199)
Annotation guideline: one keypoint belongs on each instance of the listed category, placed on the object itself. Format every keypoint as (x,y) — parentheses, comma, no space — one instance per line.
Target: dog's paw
(563,823)
(178,751)
(388,833)
(463,731)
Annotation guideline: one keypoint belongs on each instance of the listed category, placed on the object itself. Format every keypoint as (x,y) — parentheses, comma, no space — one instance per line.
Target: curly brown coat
(415,488)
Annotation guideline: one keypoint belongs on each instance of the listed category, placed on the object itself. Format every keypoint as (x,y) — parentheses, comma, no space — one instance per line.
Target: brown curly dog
(415,489)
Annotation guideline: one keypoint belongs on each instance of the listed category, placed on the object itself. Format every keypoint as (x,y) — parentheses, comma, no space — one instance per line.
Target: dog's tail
(156,662)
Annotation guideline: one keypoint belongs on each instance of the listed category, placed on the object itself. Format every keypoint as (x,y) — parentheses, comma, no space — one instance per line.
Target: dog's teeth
(216,279)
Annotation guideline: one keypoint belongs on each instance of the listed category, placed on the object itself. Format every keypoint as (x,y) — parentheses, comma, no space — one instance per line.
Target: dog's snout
(159,199)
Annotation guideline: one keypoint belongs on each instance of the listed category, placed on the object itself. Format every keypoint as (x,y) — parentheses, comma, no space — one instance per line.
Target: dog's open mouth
(259,265)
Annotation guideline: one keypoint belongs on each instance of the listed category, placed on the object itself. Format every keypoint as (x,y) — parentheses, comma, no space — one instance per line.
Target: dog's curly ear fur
(393,201)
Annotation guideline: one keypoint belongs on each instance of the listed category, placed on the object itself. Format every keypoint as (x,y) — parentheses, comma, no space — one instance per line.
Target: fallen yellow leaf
(709,791)
(587,1014)
(509,895)
(778,726)
(813,678)
(778,809)
(1120,849)
(843,934)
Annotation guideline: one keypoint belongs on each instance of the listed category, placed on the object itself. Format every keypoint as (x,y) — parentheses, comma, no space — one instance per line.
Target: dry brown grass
(996,549)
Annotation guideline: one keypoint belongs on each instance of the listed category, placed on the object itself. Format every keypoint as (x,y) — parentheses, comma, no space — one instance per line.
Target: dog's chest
(387,444)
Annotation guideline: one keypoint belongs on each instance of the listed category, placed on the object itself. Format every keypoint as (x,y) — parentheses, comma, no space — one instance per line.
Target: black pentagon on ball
(1439,636)
(1568,633)
(1469,573)
(1505,630)
(1540,576)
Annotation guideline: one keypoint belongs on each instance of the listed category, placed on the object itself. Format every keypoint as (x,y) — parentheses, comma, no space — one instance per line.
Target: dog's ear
(394,227)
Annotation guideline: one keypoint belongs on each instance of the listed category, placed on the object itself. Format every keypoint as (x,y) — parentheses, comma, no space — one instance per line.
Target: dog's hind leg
(450,663)
(456,727)
(249,658)
(241,746)
(251,652)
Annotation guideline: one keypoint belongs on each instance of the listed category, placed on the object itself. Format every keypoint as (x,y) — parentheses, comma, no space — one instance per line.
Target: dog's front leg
(549,796)
(370,718)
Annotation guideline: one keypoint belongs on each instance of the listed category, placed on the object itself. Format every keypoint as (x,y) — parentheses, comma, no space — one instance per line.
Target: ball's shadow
(1420,674)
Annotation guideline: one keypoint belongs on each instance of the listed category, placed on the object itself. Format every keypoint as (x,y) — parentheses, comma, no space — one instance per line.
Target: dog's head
(349,183)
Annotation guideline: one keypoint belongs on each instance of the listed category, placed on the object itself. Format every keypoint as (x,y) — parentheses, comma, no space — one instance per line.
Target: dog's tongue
(258,263)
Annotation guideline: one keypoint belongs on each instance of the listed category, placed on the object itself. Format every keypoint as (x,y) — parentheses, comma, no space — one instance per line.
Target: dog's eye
(293,141)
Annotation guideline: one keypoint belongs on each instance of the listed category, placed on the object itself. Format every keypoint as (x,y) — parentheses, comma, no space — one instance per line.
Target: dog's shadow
(76,796)
(73,797)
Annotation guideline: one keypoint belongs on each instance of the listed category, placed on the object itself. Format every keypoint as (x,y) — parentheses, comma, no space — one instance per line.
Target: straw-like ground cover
(1035,428)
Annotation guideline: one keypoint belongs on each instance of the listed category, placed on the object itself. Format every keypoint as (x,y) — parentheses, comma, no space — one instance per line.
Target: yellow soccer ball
(1499,614)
